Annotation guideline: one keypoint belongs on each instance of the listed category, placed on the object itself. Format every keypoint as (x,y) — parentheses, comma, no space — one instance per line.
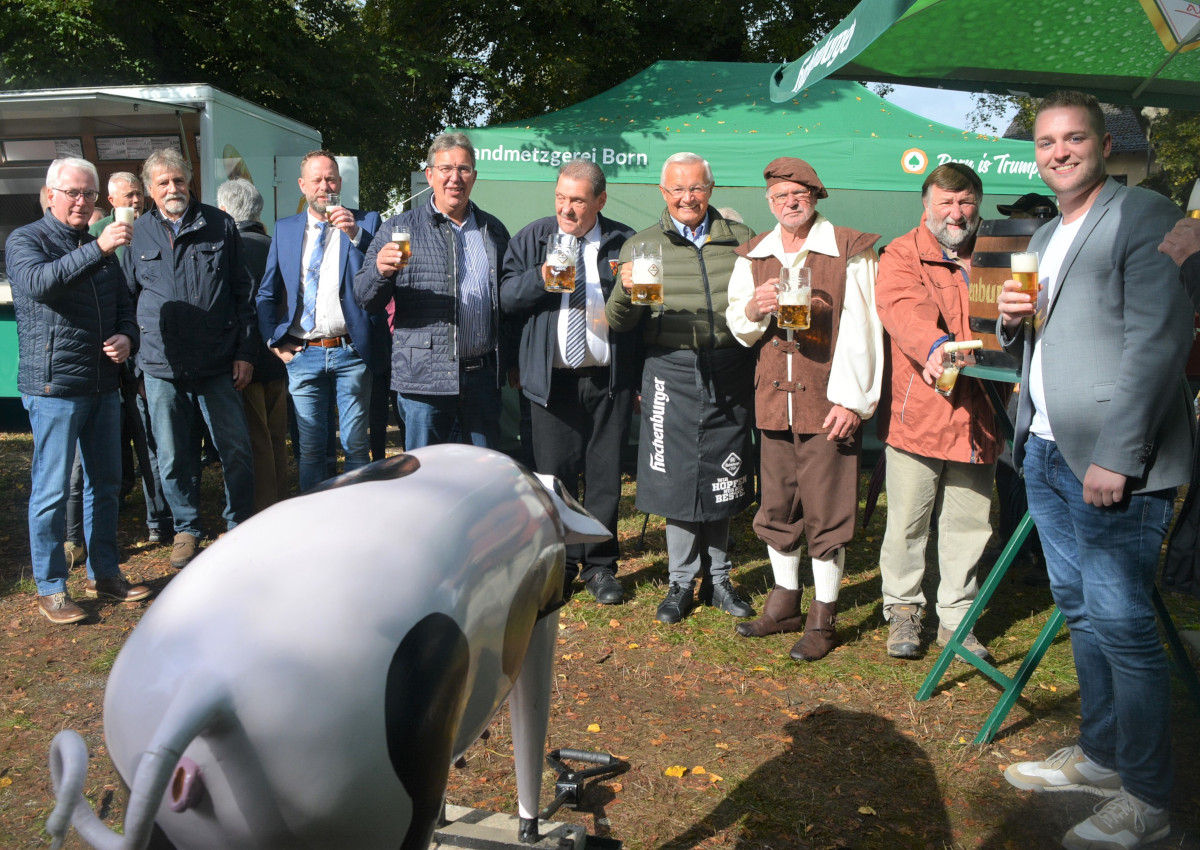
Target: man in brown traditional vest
(813,389)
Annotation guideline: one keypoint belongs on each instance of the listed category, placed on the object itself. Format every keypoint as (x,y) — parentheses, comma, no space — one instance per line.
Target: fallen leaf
(699,770)
(676,770)
(721,746)
(614,624)
(866,810)
(593,727)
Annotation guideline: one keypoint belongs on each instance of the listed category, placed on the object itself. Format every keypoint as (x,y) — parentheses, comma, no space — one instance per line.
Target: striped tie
(308,319)
(577,312)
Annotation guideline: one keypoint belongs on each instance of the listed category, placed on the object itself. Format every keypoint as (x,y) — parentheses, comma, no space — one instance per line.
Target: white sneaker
(1067,770)
(1120,823)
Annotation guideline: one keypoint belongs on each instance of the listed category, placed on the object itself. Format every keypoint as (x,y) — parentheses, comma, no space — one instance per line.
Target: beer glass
(125,215)
(647,274)
(403,241)
(795,299)
(952,361)
(560,260)
(1025,272)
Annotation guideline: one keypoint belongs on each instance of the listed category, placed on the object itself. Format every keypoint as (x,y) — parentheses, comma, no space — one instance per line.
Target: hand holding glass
(403,242)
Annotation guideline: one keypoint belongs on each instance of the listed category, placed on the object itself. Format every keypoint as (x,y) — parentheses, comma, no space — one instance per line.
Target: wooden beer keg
(991,265)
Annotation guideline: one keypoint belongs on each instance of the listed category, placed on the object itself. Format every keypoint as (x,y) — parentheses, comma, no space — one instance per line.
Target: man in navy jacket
(75,327)
(308,316)
(187,270)
(582,403)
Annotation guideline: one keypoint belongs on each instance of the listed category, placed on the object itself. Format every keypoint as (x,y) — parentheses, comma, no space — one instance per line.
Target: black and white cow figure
(309,679)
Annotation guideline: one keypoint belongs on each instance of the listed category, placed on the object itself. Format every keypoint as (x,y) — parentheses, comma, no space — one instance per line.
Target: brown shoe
(184,549)
(820,633)
(117,588)
(781,613)
(59,609)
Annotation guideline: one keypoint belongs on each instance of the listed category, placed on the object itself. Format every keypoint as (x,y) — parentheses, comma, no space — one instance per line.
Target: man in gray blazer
(1104,435)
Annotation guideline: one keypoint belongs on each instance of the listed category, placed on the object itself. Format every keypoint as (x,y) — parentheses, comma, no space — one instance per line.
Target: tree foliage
(379,78)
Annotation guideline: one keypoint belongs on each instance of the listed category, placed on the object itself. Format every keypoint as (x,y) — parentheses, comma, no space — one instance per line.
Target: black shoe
(604,586)
(677,605)
(115,587)
(726,598)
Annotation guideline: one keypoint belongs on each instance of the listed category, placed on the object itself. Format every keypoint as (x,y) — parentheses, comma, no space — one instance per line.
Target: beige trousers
(961,494)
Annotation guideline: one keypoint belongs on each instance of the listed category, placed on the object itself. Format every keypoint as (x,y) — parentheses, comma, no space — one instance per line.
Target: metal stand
(569,786)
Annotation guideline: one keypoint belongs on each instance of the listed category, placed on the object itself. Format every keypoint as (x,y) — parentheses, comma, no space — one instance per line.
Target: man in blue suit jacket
(1104,436)
(308,316)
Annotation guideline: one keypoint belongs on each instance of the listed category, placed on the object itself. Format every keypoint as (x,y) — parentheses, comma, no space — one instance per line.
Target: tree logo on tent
(914,161)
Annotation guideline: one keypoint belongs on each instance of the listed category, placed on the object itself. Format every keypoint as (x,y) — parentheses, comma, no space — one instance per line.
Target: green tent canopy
(1122,51)
(723,111)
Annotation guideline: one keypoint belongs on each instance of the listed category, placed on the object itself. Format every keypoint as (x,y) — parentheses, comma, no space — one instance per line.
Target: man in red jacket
(941,451)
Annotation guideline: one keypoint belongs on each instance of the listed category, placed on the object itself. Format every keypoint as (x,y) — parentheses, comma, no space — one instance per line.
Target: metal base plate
(479,830)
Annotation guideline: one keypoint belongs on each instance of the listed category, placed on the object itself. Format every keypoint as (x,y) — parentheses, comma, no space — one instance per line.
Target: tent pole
(1188,39)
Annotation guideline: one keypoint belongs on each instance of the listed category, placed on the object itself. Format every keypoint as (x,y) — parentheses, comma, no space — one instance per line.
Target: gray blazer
(1114,343)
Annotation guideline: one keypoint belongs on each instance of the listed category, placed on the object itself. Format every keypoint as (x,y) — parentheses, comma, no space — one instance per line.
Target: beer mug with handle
(795,298)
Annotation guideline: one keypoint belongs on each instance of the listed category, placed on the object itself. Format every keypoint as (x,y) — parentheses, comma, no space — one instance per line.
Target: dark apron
(694,460)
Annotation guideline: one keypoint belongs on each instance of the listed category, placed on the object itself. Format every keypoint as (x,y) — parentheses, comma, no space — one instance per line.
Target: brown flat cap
(793,170)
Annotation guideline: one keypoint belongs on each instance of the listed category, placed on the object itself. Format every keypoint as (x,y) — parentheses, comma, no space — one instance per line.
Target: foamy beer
(795,299)
(647,274)
(1025,272)
(125,215)
(403,241)
(953,360)
(560,263)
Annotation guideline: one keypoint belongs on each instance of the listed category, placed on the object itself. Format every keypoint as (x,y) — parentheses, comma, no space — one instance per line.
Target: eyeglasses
(679,191)
(799,194)
(76,194)
(461,170)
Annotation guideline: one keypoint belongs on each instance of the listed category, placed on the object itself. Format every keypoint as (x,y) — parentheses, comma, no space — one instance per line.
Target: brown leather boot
(820,633)
(781,613)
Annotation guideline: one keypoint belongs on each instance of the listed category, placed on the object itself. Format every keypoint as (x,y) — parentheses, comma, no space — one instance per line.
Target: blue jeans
(94,422)
(172,416)
(430,419)
(318,378)
(158,512)
(1102,563)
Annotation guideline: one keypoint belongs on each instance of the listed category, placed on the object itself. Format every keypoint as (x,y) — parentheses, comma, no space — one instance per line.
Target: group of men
(1104,427)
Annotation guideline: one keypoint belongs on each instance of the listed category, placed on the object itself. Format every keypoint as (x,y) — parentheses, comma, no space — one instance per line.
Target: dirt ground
(729,742)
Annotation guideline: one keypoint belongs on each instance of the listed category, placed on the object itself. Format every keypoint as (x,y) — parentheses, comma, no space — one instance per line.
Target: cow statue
(309,679)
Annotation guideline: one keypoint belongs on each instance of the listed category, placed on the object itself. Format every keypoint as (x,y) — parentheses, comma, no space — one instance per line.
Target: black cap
(1030,204)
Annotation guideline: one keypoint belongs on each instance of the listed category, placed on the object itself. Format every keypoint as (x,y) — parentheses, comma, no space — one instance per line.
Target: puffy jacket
(68,299)
(921,296)
(193,292)
(524,297)
(695,287)
(425,337)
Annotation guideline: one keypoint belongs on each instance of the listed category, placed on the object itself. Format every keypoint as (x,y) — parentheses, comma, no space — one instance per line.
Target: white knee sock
(786,567)
(827,576)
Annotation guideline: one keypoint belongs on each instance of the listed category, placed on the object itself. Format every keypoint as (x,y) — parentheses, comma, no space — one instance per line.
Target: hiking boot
(904,632)
(75,553)
(781,613)
(970,643)
(184,549)
(59,609)
(1067,770)
(820,633)
(677,605)
(726,598)
(605,588)
(1120,823)
(115,587)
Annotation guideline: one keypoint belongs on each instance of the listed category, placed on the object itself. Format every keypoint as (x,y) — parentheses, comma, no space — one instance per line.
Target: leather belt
(327,342)
(474,364)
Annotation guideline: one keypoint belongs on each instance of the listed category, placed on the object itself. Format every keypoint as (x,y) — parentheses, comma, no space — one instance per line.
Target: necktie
(577,312)
(308,319)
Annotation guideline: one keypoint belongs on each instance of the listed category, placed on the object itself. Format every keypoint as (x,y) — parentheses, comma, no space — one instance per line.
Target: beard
(953,239)
(175,204)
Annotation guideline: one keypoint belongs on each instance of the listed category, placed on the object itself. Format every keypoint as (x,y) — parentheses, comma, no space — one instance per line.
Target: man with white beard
(187,270)
(941,450)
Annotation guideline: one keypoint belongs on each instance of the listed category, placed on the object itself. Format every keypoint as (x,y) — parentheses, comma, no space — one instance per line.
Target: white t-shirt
(1049,266)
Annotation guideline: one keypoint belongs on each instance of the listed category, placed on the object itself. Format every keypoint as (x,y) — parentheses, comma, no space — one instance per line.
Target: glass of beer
(403,241)
(647,274)
(560,263)
(1025,272)
(125,215)
(952,361)
(795,299)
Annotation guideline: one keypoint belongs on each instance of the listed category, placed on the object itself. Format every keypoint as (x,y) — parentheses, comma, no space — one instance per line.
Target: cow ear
(578,525)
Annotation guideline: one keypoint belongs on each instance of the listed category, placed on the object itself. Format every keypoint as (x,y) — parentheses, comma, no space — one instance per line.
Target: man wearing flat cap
(1030,205)
(813,389)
